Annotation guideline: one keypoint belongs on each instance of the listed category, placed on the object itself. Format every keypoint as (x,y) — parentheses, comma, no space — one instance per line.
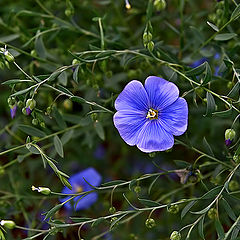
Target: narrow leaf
(58,146)
(225,36)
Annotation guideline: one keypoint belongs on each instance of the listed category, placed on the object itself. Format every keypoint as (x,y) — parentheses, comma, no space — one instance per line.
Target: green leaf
(223,114)
(98,221)
(32,131)
(75,74)
(149,203)
(63,78)
(214,27)
(236,13)
(208,74)
(80,219)
(197,70)
(207,147)
(9,38)
(229,210)
(39,46)
(15,81)
(219,229)
(212,193)
(225,36)
(235,232)
(33,150)
(52,211)
(112,183)
(66,137)
(234,91)
(99,129)
(22,91)
(59,119)
(58,146)
(200,228)
(210,104)
(187,208)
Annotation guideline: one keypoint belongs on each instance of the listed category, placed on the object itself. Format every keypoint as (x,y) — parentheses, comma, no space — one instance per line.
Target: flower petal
(174,118)
(129,124)
(154,137)
(161,93)
(133,97)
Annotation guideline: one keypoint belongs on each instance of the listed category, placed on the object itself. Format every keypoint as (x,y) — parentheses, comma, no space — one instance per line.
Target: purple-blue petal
(154,137)
(133,97)
(174,118)
(161,93)
(129,124)
(13,111)
(28,111)
(77,180)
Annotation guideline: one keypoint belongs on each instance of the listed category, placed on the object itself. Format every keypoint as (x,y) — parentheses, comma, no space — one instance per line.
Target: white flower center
(152,114)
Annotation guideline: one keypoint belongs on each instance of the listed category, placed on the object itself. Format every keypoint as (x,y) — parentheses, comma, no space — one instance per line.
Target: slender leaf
(225,36)
(58,146)
(32,131)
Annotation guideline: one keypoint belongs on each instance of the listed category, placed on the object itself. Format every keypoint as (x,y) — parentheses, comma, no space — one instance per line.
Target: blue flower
(13,110)
(149,116)
(80,185)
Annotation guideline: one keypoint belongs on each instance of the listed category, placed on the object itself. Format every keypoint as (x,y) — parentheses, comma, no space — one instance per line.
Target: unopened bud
(75,61)
(137,189)
(147,37)
(175,235)
(31,103)
(42,124)
(35,122)
(112,210)
(233,185)
(174,209)
(150,46)
(212,213)
(229,136)
(159,5)
(150,223)
(43,190)
(8,56)
(8,224)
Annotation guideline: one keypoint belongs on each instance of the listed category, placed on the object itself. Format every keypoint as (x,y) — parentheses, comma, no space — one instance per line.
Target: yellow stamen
(127,4)
(79,189)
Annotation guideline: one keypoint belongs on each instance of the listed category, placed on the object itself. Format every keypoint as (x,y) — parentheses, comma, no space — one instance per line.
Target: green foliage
(67,61)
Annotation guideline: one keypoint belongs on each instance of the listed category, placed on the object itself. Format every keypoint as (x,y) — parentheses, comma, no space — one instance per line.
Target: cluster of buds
(30,105)
(212,213)
(43,190)
(147,40)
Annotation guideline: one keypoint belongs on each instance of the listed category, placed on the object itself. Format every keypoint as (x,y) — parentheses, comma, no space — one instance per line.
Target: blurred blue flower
(149,116)
(100,152)
(13,110)
(80,185)
(216,57)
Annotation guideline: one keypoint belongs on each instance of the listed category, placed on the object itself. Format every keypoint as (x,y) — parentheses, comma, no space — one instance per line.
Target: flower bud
(236,158)
(150,46)
(114,219)
(137,189)
(11,101)
(43,190)
(112,210)
(233,185)
(24,111)
(8,56)
(75,61)
(174,209)
(31,103)
(152,154)
(159,5)
(42,124)
(20,104)
(67,104)
(35,122)
(69,12)
(229,136)
(8,224)
(13,110)
(147,37)
(2,171)
(33,53)
(212,213)
(150,223)
(175,235)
